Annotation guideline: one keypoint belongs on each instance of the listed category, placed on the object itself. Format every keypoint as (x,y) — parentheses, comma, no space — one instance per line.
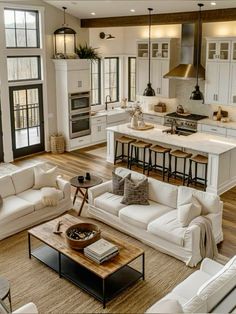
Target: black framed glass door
(27,119)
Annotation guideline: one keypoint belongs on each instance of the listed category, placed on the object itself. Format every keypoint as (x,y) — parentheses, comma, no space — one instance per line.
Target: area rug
(31,281)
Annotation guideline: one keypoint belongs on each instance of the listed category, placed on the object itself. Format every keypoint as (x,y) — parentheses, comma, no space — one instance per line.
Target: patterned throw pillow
(118,183)
(135,193)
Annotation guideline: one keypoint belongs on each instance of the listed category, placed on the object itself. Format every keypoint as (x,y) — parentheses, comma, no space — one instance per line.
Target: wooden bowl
(82,228)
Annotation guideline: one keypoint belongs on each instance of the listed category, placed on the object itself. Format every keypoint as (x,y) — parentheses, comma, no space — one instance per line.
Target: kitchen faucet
(106,102)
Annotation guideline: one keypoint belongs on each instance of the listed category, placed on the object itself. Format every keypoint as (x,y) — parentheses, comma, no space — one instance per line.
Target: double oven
(79,114)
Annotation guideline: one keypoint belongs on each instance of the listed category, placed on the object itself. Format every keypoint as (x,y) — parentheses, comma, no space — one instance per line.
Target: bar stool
(123,140)
(156,149)
(198,159)
(136,161)
(178,154)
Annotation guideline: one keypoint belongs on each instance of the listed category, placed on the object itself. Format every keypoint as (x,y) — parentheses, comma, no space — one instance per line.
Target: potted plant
(87,52)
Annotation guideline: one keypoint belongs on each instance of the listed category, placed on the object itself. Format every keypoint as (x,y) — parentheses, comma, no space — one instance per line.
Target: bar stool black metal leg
(205,181)
(150,161)
(128,157)
(195,179)
(115,152)
(184,174)
(169,170)
(175,166)
(164,167)
(131,157)
(122,151)
(144,157)
(189,172)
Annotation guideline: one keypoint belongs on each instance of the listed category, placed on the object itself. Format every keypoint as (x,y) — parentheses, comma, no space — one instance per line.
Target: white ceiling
(109,8)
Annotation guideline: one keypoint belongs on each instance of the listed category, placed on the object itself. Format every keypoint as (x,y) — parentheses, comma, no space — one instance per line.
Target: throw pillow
(187,212)
(45,178)
(166,306)
(135,193)
(1,201)
(118,183)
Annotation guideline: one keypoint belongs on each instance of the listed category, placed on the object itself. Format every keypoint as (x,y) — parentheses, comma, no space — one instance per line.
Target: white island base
(221,152)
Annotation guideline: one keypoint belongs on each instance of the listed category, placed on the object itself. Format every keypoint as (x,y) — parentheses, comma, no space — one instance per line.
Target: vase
(134,122)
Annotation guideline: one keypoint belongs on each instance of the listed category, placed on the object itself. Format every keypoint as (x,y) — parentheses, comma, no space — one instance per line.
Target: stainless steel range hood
(187,70)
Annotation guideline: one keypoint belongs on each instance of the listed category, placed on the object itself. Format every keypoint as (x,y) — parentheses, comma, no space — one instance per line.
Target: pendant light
(197,94)
(149,91)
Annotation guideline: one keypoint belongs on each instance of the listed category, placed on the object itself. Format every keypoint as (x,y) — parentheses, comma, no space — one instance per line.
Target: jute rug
(32,281)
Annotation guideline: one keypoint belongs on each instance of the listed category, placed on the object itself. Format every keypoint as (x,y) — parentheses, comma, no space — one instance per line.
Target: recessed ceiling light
(93,13)
(132,10)
(213,3)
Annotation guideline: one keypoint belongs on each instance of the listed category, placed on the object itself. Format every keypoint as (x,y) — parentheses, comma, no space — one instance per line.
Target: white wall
(125,43)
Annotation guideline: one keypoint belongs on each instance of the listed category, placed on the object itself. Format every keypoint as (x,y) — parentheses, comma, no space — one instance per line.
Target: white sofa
(156,224)
(29,308)
(203,290)
(22,205)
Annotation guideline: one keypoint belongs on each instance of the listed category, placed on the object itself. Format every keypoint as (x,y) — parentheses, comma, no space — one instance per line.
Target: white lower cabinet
(153,119)
(98,133)
(80,142)
(231,133)
(217,130)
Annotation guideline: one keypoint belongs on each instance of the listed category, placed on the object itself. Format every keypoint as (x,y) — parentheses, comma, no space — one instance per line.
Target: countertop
(227,125)
(109,112)
(200,142)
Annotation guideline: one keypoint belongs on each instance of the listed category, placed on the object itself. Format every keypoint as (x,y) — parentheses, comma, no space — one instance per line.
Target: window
(131,79)
(23,68)
(21,28)
(111,72)
(96,82)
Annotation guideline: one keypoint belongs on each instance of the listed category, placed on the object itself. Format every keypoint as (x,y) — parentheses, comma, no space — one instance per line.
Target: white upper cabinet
(142,49)
(160,50)
(218,50)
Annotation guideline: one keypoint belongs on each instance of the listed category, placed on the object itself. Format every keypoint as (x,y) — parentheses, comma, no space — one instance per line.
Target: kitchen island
(221,152)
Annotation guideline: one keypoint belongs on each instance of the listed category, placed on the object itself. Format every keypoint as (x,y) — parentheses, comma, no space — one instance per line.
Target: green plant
(87,52)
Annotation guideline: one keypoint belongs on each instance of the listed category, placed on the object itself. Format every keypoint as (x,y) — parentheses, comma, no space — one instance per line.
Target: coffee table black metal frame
(94,180)
(102,289)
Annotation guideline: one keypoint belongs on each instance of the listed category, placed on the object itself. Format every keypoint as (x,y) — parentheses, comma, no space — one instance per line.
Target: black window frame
(25,29)
(117,77)
(31,79)
(99,82)
(129,77)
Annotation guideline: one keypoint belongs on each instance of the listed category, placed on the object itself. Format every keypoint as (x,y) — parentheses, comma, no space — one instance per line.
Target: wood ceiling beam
(219,15)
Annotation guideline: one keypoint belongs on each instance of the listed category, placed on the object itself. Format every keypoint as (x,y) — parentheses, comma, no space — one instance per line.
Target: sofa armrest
(64,186)
(210,267)
(29,308)
(191,243)
(97,190)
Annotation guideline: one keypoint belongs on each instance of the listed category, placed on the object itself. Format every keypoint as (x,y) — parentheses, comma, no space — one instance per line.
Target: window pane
(23,68)
(113,65)
(9,18)
(31,20)
(95,81)
(132,78)
(20,19)
(113,77)
(107,80)
(20,38)
(10,38)
(31,38)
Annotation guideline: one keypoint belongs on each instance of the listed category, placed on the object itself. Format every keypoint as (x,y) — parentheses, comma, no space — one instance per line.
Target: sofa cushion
(166,306)
(13,208)
(6,186)
(168,228)
(141,215)
(23,179)
(195,305)
(187,212)
(109,202)
(210,202)
(135,176)
(219,285)
(189,287)
(135,193)
(163,193)
(35,197)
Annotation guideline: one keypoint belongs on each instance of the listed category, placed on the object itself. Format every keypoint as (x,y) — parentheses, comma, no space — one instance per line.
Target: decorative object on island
(160,107)
(57,143)
(87,52)
(102,35)
(149,91)
(81,179)
(136,115)
(64,40)
(179,109)
(123,104)
(81,235)
(197,94)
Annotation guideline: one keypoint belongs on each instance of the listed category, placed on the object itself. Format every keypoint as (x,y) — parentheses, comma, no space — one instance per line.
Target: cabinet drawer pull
(213,129)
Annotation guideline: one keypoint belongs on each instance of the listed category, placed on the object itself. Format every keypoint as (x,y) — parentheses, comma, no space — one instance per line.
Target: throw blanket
(208,246)
(49,196)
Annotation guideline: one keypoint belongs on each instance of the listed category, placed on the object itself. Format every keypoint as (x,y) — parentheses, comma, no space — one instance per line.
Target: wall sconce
(102,35)
(65,39)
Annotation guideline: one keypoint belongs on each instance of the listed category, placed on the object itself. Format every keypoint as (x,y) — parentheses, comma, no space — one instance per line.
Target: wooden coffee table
(94,180)
(104,282)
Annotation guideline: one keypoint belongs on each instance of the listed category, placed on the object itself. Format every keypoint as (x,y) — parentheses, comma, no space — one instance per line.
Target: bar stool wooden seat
(157,149)
(198,159)
(178,154)
(136,147)
(123,140)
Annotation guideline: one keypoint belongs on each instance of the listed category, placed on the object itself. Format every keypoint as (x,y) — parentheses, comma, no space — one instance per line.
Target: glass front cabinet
(218,50)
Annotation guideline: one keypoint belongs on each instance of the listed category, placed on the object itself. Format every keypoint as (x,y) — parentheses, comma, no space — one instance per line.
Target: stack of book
(101,251)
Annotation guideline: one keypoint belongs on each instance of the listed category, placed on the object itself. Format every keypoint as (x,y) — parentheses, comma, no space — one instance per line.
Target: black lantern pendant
(149,91)
(197,94)
(65,39)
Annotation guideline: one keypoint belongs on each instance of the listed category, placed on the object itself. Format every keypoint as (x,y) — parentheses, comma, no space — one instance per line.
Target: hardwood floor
(81,161)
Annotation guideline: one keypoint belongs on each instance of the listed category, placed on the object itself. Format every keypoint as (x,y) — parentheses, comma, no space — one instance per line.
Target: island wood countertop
(200,142)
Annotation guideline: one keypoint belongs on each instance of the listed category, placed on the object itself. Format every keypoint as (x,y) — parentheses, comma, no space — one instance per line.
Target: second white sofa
(157,224)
